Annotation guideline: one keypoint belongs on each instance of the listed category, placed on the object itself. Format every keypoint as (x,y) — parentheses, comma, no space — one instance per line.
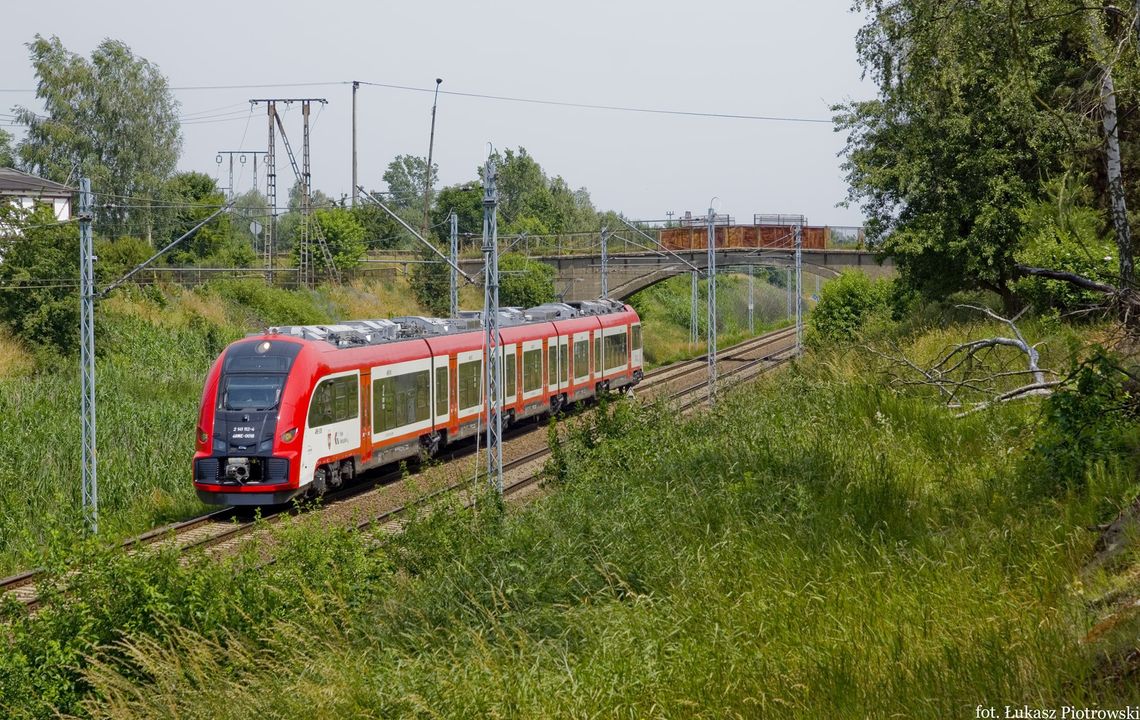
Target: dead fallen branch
(971,377)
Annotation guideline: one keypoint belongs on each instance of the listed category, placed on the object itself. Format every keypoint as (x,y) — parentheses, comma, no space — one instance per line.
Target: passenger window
(334,401)
(400,400)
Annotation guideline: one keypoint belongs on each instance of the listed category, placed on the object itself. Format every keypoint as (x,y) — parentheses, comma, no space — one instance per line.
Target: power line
(507,98)
(596,106)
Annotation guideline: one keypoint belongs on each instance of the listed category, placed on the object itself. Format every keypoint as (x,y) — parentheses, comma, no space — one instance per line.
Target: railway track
(382,500)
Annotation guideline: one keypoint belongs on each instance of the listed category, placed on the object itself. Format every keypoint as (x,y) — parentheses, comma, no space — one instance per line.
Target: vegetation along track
(383,498)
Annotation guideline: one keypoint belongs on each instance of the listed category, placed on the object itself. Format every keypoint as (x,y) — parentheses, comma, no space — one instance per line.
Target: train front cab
(243,456)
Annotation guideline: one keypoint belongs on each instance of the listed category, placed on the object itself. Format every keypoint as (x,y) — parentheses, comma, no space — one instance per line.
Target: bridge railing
(282,277)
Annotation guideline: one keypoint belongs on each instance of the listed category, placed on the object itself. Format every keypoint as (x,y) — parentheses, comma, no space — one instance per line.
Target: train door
(636,357)
(531,369)
(599,371)
(581,364)
(332,424)
(552,364)
(563,362)
(510,375)
(441,391)
(469,379)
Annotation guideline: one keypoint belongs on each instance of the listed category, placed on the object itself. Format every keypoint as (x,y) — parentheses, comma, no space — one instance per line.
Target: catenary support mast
(87,356)
(494,369)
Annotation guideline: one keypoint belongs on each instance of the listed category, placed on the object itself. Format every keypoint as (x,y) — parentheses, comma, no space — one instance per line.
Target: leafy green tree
(111,118)
(524,282)
(431,282)
(467,202)
(250,207)
(405,180)
(975,107)
(381,232)
(530,201)
(7,154)
(39,275)
(1064,232)
(343,235)
(117,257)
(194,197)
(289,222)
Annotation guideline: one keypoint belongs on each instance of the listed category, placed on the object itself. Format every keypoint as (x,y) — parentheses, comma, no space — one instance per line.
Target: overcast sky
(758,57)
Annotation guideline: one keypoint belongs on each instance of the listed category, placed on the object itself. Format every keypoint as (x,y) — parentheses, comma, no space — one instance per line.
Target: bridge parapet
(579,276)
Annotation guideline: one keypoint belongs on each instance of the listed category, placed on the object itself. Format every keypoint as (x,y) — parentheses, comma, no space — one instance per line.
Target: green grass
(816,547)
(155,348)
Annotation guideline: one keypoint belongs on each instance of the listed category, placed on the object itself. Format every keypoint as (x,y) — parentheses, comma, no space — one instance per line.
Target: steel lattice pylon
(493,375)
(87,356)
(454,264)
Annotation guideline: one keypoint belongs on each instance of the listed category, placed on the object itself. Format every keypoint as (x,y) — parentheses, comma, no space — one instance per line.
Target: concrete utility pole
(454,264)
(711,330)
(799,288)
(87,357)
(427,173)
(694,331)
(605,264)
(751,299)
(355,192)
(494,360)
(788,288)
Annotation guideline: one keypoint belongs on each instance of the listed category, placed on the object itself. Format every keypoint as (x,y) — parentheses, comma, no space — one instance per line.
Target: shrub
(524,282)
(431,283)
(270,305)
(846,305)
(1083,425)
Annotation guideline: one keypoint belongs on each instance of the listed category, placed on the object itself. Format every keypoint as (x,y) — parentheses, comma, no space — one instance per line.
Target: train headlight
(202,436)
(288,435)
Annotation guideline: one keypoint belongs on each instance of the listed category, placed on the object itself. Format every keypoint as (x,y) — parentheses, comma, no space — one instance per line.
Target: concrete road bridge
(579,276)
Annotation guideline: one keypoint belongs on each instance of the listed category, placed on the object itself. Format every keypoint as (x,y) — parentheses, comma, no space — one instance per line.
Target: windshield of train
(252,392)
(254,372)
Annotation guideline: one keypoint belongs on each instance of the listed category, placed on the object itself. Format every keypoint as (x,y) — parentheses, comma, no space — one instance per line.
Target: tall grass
(816,547)
(154,348)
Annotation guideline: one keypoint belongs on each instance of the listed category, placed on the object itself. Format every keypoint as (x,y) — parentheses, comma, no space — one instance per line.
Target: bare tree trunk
(1119,208)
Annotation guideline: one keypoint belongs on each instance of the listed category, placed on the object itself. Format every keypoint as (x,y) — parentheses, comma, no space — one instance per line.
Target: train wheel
(320,482)
(429,446)
(347,471)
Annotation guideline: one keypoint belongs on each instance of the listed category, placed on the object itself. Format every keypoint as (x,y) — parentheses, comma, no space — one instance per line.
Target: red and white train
(301,409)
